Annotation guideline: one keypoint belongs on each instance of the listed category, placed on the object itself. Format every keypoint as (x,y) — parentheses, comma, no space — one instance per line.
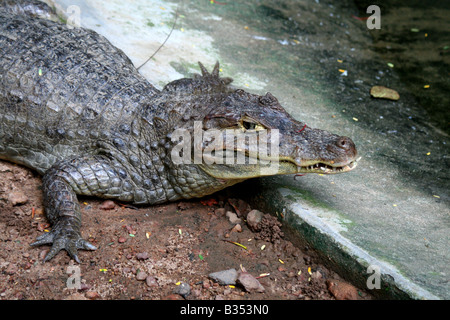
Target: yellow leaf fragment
(237,244)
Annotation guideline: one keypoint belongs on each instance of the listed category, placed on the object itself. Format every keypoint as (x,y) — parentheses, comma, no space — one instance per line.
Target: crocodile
(75,109)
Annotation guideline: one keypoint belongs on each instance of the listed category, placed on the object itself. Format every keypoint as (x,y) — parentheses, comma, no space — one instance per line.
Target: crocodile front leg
(63,212)
(61,184)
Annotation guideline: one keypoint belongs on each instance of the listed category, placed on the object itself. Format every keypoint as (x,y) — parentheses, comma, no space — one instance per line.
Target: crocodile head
(233,135)
(279,143)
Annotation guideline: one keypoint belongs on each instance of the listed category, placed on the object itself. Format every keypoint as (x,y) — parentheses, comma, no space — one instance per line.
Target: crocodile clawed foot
(70,241)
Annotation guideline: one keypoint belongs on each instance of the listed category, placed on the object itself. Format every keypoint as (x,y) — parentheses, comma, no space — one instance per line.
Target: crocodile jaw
(268,168)
(327,168)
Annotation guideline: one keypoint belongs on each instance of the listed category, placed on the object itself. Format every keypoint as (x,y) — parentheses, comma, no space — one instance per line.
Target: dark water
(415,37)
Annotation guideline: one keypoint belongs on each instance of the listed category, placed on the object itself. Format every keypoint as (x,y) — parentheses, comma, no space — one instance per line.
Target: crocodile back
(61,90)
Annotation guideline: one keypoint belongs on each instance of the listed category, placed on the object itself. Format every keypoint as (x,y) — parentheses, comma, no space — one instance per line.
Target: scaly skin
(74,108)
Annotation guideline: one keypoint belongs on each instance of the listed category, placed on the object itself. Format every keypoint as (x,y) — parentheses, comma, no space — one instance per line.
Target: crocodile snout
(343,148)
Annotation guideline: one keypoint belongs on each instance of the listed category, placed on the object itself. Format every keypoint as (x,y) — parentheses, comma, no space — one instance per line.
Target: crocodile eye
(248,125)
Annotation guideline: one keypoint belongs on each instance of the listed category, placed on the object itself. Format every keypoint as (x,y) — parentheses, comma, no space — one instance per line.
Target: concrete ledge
(321,231)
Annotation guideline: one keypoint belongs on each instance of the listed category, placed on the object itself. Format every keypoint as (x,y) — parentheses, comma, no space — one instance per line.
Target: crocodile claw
(71,242)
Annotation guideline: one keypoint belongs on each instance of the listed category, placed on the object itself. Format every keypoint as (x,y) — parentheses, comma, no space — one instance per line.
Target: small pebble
(151,281)
(76,296)
(250,283)
(342,290)
(141,275)
(11,269)
(84,287)
(173,296)
(126,270)
(232,217)
(142,256)
(237,228)
(220,212)
(108,205)
(183,289)
(17,198)
(92,295)
(254,217)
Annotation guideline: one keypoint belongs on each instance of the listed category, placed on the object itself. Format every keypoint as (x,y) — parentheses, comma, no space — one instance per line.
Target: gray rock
(141,275)
(183,289)
(254,217)
(17,198)
(224,277)
(151,281)
(142,256)
(232,217)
